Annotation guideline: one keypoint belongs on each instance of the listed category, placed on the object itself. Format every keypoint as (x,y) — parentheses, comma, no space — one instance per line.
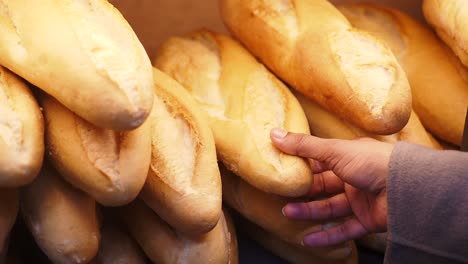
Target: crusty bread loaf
(183,185)
(21,132)
(449,21)
(117,247)
(162,244)
(438,81)
(62,219)
(84,54)
(326,125)
(310,45)
(265,210)
(110,166)
(292,253)
(244,102)
(8,211)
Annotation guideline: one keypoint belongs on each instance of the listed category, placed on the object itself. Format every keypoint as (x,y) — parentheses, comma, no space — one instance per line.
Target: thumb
(302,145)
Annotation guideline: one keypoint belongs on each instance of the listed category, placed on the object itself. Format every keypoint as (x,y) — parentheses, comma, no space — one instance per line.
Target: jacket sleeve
(427,194)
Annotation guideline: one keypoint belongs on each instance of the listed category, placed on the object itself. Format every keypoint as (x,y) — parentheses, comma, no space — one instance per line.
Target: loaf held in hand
(265,210)
(312,46)
(164,245)
(21,132)
(84,54)
(244,102)
(183,185)
(62,219)
(439,82)
(449,21)
(110,166)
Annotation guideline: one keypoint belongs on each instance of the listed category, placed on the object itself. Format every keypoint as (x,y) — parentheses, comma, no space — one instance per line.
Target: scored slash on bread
(311,46)
(84,54)
(183,184)
(244,102)
(438,80)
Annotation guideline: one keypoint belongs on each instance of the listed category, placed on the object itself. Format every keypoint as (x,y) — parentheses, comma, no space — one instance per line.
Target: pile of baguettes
(112,128)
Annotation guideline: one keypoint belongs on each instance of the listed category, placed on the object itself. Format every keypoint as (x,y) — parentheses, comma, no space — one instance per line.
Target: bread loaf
(291,253)
(449,21)
(265,211)
(84,54)
(110,166)
(21,132)
(326,125)
(244,102)
(183,185)
(162,244)
(438,81)
(117,247)
(61,218)
(8,211)
(312,46)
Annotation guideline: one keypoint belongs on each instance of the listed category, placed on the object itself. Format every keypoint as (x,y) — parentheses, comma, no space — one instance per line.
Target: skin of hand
(351,174)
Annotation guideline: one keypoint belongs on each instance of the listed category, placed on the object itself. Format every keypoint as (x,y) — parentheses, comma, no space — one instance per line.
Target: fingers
(334,207)
(300,144)
(326,184)
(349,230)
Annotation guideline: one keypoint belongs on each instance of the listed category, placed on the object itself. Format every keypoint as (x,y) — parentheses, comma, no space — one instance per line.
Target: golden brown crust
(61,218)
(163,245)
(310,45)
(21,132)
(292,253)
(110,166)
(438,81)
(9,206)
(66,49)
(244,102)
(183,185)
(265,210)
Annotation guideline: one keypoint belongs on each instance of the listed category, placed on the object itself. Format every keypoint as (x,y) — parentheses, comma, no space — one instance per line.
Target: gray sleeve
(427,206)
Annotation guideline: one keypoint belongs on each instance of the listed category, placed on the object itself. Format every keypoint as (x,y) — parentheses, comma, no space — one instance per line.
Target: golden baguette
(162,244)
(438,81)
(183,185)
(117,247)
(312,46)
(244,102)
(448,18)
(62,219)
(21,132)
(326,125)
(265,210)
(110,166)
(9,206)
(84,54)
(292,253)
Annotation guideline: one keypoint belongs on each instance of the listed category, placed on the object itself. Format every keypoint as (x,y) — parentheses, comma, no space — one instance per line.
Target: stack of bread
(111,160)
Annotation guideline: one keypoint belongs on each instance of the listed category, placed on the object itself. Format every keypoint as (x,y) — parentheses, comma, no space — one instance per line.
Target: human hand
(354,171)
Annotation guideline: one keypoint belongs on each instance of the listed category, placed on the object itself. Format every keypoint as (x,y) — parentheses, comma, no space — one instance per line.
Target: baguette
(65,48)
(8,212)
(61,218)
(110,166)
(291,253)
(265,211)
(244,102)
(311,46)
(164,245)
(21,132)
(117,247)
(183,185)
(326,125)
(438,80)
(448,18)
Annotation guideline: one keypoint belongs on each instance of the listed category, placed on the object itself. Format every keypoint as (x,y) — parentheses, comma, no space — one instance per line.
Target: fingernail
(291,210)
(278,133)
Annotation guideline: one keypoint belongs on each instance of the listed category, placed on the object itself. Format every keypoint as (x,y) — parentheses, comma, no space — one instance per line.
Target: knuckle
(302,145)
